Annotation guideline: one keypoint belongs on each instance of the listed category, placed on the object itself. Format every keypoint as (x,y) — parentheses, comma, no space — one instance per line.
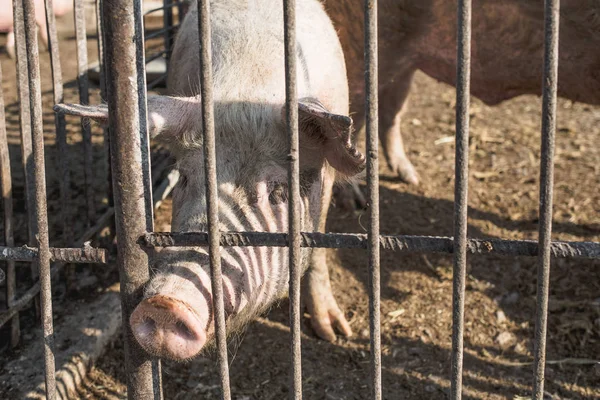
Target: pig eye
(278,193)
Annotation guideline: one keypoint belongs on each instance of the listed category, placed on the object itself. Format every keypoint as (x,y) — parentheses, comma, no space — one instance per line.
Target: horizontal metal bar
(84,255)
(160,32)
(402,243)
(156,82)
(153,57)
(26,298)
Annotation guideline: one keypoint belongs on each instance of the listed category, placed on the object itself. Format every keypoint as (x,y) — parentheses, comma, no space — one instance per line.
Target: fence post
(128,183)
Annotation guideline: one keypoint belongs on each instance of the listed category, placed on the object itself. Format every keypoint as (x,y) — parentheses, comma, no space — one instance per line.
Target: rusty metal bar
(103,221)
(43,259)
(9,240)
(212,196)
(372,112)
(121,34)
(549,84)
(461,186)
(146,160)
(84,98)
(291,111)
(25,125)
(84,255)
(106,136)
(400,243)
(166,31)
(62,160)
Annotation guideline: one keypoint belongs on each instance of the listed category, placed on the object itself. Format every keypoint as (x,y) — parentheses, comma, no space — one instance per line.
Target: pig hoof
(165,327)
(405,171)
(326,318)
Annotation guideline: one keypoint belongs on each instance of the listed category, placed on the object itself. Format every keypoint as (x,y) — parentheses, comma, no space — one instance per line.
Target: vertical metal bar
(145,151)
(60,124)
(549,83)
(372,110)
(212,199)
(168,22)
(84,98)
(102,70)
(59,121)
(143,112)
(25,120)
(291,110)
(43,261)
(9,240)
(461,185)
(128,183)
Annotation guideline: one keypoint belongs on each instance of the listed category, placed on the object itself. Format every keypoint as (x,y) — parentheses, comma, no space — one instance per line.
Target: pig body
(507,53)
(60,7)
(175,319)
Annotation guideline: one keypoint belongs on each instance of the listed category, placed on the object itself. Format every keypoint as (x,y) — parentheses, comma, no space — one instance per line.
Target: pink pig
(61,7)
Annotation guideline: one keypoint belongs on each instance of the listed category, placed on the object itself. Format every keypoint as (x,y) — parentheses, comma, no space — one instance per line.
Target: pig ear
(168,117)
(333,132)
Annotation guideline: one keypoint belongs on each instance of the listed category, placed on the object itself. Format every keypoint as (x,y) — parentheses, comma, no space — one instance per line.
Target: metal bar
(549,84)
(155,56)
(43,259)
(461,185)
(24,300)
(212,199)
(64,178)
(371,111)
(400,243)
(168,23)
(25,124)
(121,34)
(9,240)
(84,98)
(291,110)
(146,160)
(84,255)
(143,115)
(102,66)
(163,31)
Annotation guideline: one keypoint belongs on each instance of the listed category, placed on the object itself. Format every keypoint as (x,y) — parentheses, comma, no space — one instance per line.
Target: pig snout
(168,328)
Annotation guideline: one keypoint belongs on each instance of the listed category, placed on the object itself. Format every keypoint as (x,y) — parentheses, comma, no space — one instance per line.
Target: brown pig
(507,52)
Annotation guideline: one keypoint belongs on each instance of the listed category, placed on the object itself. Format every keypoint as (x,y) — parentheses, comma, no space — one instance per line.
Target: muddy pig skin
(507,52)
(175,319)
(61,7)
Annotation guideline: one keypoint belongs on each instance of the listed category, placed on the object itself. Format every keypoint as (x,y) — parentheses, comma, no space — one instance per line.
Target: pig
(175,318)
(60,7)
(507,52)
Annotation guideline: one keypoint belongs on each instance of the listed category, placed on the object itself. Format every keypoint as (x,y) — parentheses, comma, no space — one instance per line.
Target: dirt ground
(417,289)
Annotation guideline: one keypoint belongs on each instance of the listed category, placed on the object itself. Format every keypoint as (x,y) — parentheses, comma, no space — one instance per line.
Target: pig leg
(393,100)
(325,314)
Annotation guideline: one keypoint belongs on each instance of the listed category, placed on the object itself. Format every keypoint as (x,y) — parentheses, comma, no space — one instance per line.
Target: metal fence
(46,261)
(124,58)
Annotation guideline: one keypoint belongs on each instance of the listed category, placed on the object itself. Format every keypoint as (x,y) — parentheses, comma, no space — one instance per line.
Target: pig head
(175,319)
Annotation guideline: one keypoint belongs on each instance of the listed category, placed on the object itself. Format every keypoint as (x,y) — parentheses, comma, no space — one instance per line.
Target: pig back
(248,54)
